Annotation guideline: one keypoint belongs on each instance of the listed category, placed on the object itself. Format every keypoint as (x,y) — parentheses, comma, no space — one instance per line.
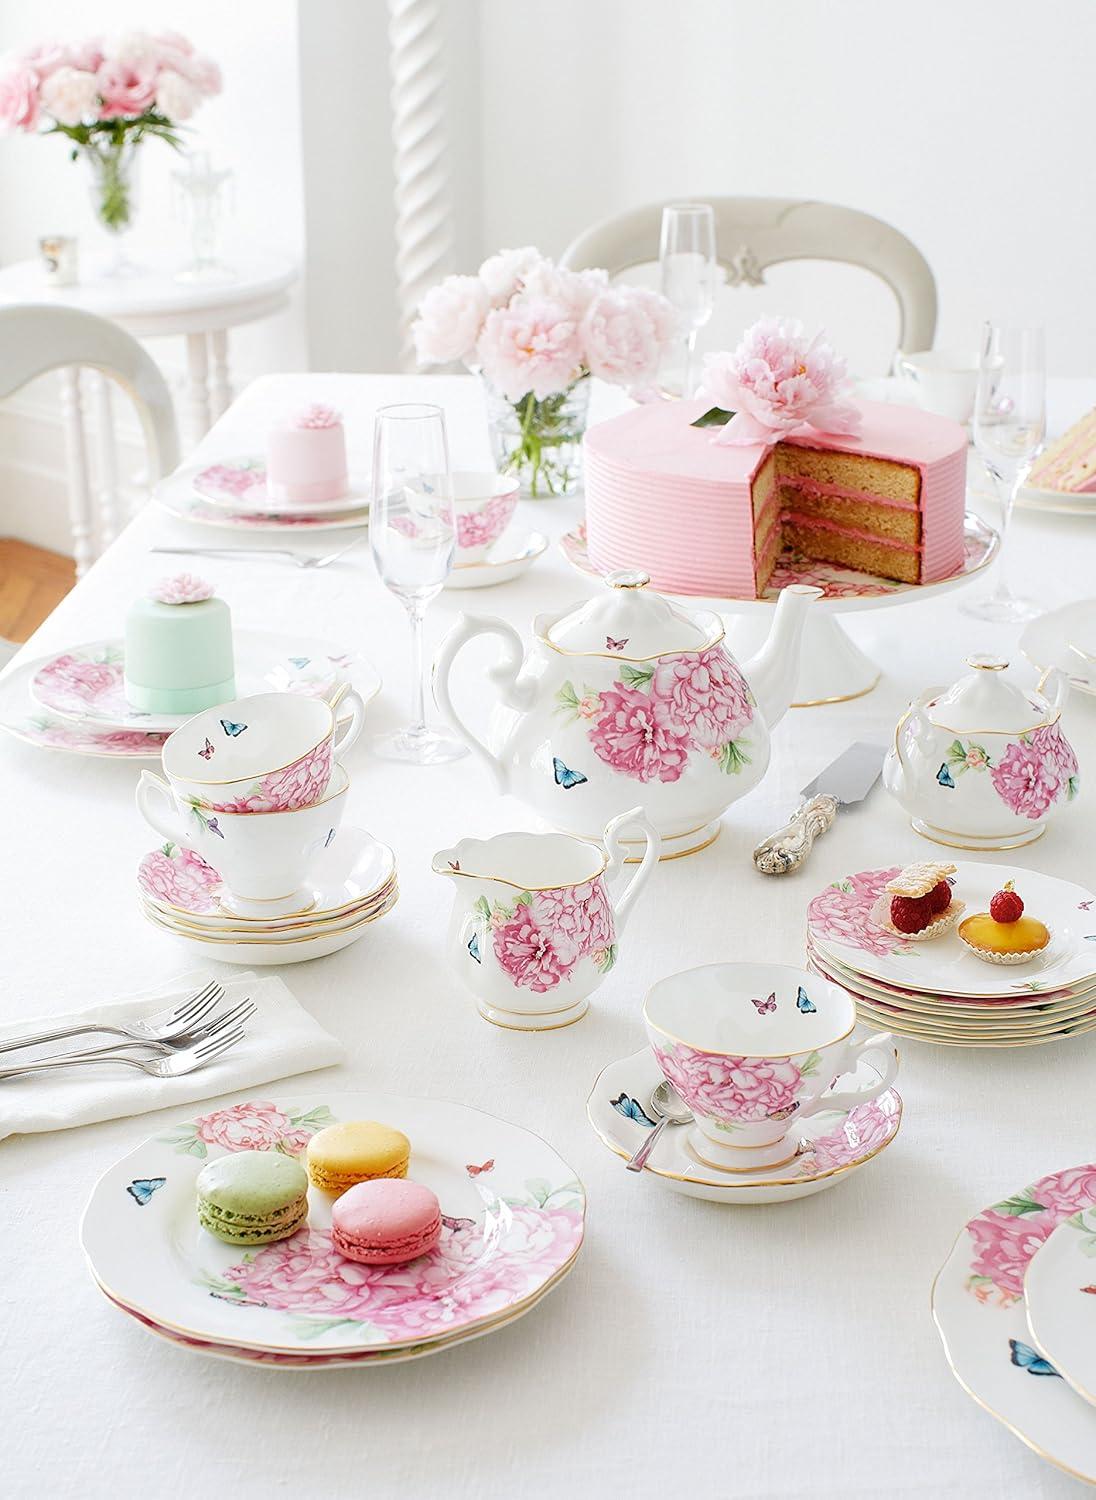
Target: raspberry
(940,896)
(911,913)
(1006,905)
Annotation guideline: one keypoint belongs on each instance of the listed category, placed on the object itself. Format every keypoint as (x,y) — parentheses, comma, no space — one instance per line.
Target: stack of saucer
(938,990)
(257,866)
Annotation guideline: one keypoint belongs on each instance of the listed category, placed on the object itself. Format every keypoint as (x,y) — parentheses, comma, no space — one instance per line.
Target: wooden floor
(32,582)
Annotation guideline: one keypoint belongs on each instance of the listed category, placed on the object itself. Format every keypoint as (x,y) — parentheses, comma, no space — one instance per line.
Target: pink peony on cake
(306,458)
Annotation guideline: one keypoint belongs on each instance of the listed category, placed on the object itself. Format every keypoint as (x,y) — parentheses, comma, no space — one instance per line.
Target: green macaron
(252,1197)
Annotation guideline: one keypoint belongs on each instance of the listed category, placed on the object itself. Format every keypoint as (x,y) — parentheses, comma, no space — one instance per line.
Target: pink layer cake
(706,518)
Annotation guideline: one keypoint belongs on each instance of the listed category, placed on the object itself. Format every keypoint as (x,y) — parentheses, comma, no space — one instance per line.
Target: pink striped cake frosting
(661,496)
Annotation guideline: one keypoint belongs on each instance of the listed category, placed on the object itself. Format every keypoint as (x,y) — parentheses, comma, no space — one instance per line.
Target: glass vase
(540,441)
(113,167)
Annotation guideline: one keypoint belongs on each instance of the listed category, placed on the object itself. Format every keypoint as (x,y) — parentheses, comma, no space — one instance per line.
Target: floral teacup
(535,926)
(482,507)
(272,752)
(754,1048)
(263,857)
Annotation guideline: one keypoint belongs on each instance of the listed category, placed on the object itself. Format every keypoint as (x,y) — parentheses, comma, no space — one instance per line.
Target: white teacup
(753,1049)
(945,381)
(482,507)
(272,752)
(263,857)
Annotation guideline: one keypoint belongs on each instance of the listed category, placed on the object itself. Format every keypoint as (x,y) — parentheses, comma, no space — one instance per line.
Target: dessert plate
(26,720)
(259,932)
(482,575)
(836,1142)
(239,484)
(943,1037)
(1060,1297)
(977,1302)
(839,926)
(513,1225)
(1065,638)
(1020,1025)
(86,686)
(176,495)
(262,952)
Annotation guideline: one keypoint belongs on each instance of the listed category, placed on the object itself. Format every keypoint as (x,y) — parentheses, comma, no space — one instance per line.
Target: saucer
(177,495)
(834,1143)
(239,484)
(497,569)
(263,950)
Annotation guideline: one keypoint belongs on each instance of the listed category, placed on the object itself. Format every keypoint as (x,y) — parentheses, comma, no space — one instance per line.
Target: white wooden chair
(37,339)
(755,233)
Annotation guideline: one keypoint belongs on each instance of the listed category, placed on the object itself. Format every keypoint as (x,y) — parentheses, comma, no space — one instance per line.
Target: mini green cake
(252,1197)
(178,654)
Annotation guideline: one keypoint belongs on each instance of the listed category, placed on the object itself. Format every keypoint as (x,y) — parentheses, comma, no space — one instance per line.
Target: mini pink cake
(306,458)
(385,1222)
(705,518)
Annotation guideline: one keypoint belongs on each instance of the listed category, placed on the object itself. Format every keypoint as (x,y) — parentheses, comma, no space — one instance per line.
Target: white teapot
(629,698)
(983,764)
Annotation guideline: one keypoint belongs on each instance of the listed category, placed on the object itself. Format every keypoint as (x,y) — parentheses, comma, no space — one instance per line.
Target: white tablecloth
(746,1352)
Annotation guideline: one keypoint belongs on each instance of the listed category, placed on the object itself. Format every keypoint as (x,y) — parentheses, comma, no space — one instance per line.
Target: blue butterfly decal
(300,662)
(944,776)
(232,729)
(802,1003)
(143,1188)
(1090,937)
(211,826)
(330,836)
(565,777)
(474,947)
(1029,1359)
(631,1109)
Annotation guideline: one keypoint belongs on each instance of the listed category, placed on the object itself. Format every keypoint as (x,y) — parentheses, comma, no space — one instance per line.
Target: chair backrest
(38,338)
(755,233)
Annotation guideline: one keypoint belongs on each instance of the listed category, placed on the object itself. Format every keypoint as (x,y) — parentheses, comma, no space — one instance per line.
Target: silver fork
(165,1046)
(301,559)
(174,1066)
(162,1027)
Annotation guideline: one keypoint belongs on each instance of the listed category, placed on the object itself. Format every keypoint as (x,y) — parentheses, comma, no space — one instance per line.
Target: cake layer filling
(815,489)
(900,525)
(808,522)
(862,554)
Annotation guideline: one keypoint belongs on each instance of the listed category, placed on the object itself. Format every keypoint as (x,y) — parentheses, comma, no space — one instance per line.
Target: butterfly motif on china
(300,662)
(803,1004)
(565,777)
(142,1189)
(765,1007)
(457,1225)
(474,1171)
(1029,1359)
(231,728)
(1084,906)
(454,865)
(212,827)
(330,836)
(631,1109)
(207,751)
(1090,1289)
(474,947)
(612,645)
(944,776)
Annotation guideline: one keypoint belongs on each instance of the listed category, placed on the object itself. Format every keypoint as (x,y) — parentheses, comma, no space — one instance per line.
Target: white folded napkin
(281,1039)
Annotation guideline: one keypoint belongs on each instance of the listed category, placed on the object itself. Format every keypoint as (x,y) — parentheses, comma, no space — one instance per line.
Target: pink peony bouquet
(535,330)
(107,96)
(779,381)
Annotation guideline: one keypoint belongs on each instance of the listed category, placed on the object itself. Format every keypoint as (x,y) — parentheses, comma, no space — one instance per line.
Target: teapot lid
(986,702)
(629,621)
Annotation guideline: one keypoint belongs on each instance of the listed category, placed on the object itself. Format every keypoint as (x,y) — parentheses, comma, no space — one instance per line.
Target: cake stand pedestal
(832,667)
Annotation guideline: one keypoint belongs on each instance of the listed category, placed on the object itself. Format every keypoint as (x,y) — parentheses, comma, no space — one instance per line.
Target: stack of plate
(232,493)
(1015,1304)
(937,990)
(353,884)
(512,1227)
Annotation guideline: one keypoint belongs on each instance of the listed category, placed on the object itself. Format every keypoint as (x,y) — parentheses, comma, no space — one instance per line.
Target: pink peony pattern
(1034,772)
(71,682)
(533,957)
(542,936)
(55,734)
(637,734)
(1006,1236)
(256,1125)
(175,876)
(300,785)
(842,913)
(707,693)
(735,1090)
(244,481)
(864,1130)
(479,528)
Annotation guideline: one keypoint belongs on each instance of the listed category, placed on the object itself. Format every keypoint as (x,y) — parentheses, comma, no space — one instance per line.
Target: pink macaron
(385,1222)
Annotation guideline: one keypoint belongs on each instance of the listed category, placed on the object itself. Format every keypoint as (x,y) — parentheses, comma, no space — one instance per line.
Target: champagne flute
(1009,431)
(689,271)
(412,535)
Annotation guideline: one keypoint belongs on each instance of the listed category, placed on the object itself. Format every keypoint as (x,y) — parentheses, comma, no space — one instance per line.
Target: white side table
(150,303)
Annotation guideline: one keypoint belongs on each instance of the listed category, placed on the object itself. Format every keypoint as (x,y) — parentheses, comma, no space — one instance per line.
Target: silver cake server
(846,780)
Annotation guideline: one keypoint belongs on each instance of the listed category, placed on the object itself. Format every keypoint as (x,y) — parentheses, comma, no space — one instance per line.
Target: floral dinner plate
(239,484)
(177,495)
(839,926)
(1060,1296)
(22,718)
(978,1305)
(513,1214)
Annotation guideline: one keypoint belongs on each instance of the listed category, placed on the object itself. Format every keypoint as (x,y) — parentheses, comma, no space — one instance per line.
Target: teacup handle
(905,368)
(349,700)
(882,1042)
(149,788)
(615,848)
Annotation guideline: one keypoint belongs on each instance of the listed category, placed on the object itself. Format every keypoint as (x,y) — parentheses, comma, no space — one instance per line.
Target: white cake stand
(832,666)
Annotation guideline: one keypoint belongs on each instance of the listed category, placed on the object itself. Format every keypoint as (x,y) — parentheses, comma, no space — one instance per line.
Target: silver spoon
(671,1109)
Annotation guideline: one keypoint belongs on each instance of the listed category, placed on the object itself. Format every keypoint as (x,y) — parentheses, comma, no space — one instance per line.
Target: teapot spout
(772,673)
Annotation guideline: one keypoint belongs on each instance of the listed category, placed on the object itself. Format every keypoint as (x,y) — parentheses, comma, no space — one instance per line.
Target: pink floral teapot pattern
(628,697)
(984,764)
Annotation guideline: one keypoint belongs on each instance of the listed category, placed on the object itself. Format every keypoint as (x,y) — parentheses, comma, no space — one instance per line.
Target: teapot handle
(505,674)
(617,852)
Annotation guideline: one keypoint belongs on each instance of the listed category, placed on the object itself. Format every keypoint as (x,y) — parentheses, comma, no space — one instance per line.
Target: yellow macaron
(358,1151)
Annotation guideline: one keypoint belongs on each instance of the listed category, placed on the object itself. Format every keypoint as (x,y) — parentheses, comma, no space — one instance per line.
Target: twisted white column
(423,226)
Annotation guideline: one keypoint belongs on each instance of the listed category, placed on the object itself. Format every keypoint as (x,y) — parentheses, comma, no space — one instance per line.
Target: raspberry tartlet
(917,903)
(1004,934)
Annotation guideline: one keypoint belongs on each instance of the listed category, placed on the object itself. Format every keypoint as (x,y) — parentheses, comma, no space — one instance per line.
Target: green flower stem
(545,427)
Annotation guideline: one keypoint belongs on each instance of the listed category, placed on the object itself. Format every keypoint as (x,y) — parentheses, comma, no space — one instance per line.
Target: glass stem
(687,380)
(416,609)
(1006,495)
